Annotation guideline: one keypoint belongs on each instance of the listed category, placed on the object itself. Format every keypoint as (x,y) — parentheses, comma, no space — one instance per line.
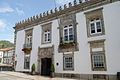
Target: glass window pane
(65,38)
(71,37)
(65,32)
(70,31)
(92,26)
(98,25)
(48,36)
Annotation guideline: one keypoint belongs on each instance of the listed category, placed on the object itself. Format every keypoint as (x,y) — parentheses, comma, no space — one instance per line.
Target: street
(6,75)
(9,76)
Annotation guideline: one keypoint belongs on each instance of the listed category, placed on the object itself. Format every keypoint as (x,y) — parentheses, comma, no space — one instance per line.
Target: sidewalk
(32,77)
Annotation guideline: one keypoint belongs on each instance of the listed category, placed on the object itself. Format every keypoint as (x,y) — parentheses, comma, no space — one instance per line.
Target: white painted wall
(18,50)
(112,29)
(82,61)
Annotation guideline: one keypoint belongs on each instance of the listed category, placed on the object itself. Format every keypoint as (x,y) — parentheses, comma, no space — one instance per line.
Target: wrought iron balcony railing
(27,45)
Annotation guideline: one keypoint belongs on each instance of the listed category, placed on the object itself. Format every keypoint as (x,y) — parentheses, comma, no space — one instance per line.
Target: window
(95,26)
(46,33)
(27,62)
(98,60)
(28,39)
(95,22)
(68,62)
(97,50)
(68,33)
(47,37)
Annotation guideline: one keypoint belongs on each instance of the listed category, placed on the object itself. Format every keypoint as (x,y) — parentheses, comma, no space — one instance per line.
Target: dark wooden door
(46,66)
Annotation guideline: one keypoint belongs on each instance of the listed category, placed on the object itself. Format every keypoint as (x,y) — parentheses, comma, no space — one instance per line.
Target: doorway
(46,66)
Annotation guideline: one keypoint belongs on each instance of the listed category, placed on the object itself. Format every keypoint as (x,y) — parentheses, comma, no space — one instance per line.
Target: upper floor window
(28,39)
(46,33)
(47,37)
(95,26)
(68,33)
(95,23)
(28,36)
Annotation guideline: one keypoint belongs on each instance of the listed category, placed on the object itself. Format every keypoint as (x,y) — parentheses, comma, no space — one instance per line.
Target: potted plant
(52,70)
(33,69)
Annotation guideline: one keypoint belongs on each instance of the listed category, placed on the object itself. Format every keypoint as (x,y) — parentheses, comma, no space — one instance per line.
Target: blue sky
(13,11)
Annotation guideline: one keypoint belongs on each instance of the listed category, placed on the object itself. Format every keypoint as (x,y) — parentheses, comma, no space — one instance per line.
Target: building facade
(6,59)
(80,39)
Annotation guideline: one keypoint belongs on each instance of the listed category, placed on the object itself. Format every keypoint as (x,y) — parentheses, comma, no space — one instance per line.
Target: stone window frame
(26,56)
(28,34)
(98,54)
(64,65)
(67,27)
(66,20)
(93,15)
(99,76)
(98,44)
(95,21)
(46,36)
(46,28)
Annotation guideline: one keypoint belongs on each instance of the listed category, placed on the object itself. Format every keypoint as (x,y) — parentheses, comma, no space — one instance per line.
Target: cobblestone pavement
(21,76)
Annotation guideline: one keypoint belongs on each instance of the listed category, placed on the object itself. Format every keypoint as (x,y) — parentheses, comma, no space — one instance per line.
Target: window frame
(28,36)
(28,57)
(47,39)
(98,54)
(95,26)
(65,66)
(68,27)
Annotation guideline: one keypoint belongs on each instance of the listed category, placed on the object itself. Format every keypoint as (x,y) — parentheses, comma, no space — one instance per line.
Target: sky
(13,11)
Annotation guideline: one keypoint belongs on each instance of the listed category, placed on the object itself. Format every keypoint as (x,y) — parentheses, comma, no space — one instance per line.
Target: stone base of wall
(87,76)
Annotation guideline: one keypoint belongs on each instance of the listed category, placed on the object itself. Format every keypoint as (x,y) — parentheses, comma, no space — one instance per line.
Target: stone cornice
(56,13)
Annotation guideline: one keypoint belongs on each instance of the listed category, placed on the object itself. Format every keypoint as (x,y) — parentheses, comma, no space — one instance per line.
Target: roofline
(56,13)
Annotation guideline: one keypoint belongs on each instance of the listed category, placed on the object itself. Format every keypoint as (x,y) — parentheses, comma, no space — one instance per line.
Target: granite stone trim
(98,44)
(47,52)
(87,76)
(91,15)
(46,27)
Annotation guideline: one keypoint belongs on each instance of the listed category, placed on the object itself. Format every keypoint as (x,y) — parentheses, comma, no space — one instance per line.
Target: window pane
(70,31)
(48,36)
(98,25)
(65,34)
(45,37)
(92,25)
(71,37)
(65,38)
(65,31)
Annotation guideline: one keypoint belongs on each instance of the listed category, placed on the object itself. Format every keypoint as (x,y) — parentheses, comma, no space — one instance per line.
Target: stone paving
(21,76)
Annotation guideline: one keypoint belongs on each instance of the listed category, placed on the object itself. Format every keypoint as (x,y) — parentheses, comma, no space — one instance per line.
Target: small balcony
(27,45)
(27,48)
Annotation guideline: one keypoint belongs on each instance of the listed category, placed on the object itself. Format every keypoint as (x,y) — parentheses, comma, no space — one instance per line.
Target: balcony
(27,48)
(68,47)
(27,45)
